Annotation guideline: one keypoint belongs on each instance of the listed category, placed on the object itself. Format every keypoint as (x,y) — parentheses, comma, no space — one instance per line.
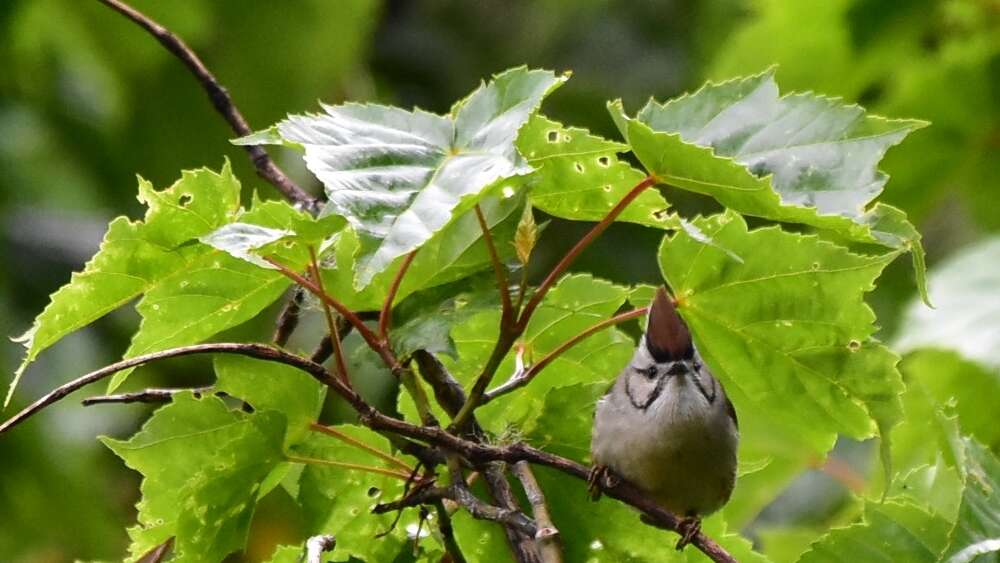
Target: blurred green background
(87,101)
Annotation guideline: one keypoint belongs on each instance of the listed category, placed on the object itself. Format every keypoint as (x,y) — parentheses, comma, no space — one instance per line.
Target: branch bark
(547,537)
(221,101)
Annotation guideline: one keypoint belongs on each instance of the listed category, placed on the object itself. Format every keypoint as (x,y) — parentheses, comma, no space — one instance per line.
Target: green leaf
(338,501)
(799,158)
(220,291)
(425,319)
(202,467)
(287,554)
(968,315)
(576,303)
(961,388)
(398,176)
(255,235)
(578,175)
(240,240)
(137,256)
(454,253)
(563,427)
(787,329)
(978,527)
(270,386)
(892,531)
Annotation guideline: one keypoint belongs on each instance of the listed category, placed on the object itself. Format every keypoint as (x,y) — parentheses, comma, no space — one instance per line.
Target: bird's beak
(667,337)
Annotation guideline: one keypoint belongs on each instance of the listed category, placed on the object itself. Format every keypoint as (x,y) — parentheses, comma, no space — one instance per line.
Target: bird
(667,426)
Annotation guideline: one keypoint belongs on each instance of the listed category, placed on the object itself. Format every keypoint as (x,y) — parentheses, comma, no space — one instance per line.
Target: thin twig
(523,378)
(344,437)
(331,324)
(385,317)
(288,319)
(522,544)
(579,247)
(258,351)
(485,511)
(548,535)
(451,546)
(152,395)
(345,465)
(266,168)
(503,285)
(341,309)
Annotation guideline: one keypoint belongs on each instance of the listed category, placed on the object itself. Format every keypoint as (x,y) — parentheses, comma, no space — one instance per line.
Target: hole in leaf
(854,345)
(185,199)
(578,166)
(607,187)
(374,491)
(553,136)
(603,161)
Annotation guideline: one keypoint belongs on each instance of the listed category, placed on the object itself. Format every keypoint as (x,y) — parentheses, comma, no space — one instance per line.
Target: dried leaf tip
(667,337)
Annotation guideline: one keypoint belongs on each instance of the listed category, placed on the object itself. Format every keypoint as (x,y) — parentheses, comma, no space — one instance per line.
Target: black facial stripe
(643,405)
(708,397)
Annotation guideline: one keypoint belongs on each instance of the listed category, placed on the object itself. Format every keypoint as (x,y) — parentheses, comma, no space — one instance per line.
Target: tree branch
(522,544)
(503,286)
(266,168)
(548,535)
(579,247)
(385,317)
(354,466)
(152,395)
(258,351)
(522,378)
(451,546)
(343,437)
(331,324)
(288,319)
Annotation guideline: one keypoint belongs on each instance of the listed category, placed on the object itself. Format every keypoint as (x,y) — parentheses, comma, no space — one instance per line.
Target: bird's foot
(601,477)
(688,528)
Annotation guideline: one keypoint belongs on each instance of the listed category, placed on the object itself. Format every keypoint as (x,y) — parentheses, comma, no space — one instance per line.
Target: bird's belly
(690,470)
(689,479)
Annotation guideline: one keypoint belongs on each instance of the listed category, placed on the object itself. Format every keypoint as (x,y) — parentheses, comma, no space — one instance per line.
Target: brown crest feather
(667,337)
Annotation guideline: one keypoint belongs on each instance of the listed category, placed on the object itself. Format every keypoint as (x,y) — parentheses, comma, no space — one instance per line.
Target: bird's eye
(650,372)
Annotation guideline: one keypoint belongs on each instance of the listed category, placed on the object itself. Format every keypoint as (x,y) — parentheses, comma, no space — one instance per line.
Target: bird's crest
(667,337)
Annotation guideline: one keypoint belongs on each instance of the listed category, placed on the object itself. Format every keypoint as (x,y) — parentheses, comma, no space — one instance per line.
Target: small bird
(667,426)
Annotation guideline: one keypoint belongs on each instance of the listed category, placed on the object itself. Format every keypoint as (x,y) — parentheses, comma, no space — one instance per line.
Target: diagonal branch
(288,319)
(522,378)
(258,351)
(548,535)
(385,317)
(344,437)
(507,311)
(266,168)
(579,247)
(331,324)
(365,332)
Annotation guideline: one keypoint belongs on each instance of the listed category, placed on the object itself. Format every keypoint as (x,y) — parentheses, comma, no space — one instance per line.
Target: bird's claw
(688,527)
(601,477)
